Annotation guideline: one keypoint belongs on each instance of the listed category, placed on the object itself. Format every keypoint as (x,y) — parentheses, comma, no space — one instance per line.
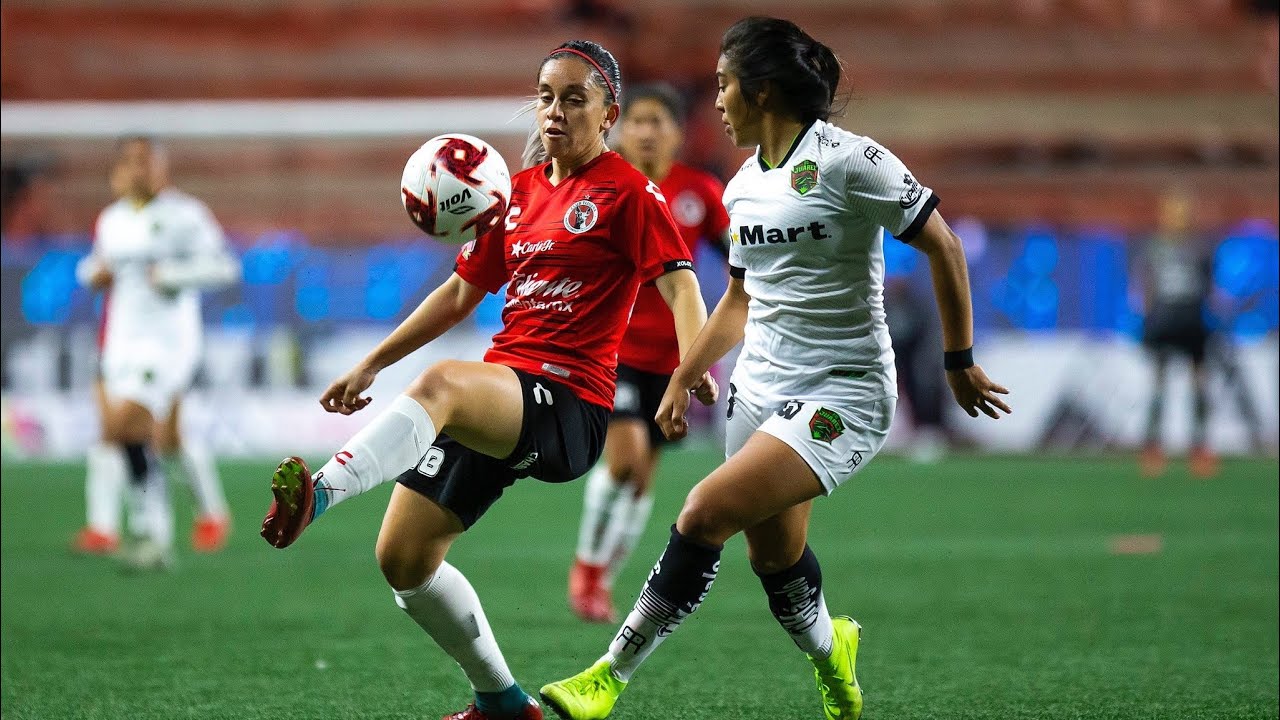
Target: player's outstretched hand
(343,396)
(975,391)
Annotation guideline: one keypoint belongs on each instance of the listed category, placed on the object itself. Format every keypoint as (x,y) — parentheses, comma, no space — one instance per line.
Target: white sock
(194,465)
(159,511)
(446,606)
(136,511)
(394,442)
(104,487)
(630,523)
(816,640)
(598,496)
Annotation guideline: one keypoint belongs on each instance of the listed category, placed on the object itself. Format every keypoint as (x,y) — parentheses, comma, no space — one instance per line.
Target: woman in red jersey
(617,503)
(582,232)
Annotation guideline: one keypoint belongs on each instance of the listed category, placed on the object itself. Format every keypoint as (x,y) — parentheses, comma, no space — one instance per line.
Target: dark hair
(661,93)
(604,72)
(604,68)
(803,71)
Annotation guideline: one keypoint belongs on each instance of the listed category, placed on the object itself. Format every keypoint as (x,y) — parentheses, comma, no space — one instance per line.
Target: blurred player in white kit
(155,248)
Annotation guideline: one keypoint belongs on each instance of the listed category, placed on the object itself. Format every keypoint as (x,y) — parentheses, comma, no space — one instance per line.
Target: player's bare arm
(681,292)
(723,330)
(973,390)
(445,307)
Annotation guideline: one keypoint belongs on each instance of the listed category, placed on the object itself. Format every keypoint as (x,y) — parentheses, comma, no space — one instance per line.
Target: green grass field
(987,588)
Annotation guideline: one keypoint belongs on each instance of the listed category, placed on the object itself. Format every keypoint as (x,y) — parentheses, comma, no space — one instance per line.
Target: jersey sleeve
(737,266)
(89,264)
(881,188)
(651,236)
(482,262)
(202,259)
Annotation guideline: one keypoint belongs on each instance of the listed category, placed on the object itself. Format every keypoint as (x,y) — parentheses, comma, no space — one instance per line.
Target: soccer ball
(455,188)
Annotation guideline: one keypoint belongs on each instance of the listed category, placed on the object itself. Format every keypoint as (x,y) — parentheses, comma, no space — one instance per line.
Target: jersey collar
(764,166)
(545,168)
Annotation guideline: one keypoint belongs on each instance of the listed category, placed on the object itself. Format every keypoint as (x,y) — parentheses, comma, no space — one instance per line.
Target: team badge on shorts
(804,176)
(826,425)
(581,217)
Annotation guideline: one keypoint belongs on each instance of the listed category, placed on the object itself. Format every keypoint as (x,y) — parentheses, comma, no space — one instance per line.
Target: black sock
(795,598)
(1154,414)
(139,463)
(676,587)
(683,575)
(1201,418)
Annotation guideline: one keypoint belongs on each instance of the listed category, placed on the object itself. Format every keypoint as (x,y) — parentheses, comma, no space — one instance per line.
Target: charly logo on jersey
(467,249)
(912,194)
(826,425)
(581,216)
(528,248)
(804,176)
(689,209)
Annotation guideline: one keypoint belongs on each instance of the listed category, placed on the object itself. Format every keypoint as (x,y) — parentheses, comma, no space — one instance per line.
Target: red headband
(594,64)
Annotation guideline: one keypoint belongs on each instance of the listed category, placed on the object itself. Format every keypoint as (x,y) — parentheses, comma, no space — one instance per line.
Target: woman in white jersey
(155,249)
(813,394)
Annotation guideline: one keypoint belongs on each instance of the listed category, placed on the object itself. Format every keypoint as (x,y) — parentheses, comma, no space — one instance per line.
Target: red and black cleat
(589,597)
(532,711)
(294,503)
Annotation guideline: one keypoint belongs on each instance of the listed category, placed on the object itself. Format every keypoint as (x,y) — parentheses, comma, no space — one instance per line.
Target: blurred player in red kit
(617,501)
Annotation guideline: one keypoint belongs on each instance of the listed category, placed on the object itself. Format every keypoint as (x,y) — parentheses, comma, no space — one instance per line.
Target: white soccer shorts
(147,378)
(836,439)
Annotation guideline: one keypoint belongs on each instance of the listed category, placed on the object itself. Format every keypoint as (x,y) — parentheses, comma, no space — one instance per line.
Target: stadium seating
(1082,108)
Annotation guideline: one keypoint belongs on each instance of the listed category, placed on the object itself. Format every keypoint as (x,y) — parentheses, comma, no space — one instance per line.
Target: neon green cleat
(589,695)
(841,696)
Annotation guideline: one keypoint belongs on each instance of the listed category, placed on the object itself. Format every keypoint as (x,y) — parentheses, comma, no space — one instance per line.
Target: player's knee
(404,567)
(129,427)
(437,385)
(768,561)
(167,441)
(622,472)
(641,481)
(704,519)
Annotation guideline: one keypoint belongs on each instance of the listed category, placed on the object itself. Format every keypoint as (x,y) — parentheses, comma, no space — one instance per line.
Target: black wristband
(957,359)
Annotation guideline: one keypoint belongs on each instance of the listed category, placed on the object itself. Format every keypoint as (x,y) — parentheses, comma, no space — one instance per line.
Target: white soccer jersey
(160,255)
(807,244)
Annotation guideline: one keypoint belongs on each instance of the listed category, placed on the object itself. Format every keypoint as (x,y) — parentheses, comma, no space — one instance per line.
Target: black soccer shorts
(561,438)
(638,396)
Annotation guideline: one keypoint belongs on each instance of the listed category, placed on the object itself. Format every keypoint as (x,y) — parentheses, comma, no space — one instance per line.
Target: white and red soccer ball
(455,188)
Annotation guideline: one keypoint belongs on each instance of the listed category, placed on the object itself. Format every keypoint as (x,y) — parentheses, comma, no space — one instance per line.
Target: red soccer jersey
(574,254)
(695,198)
